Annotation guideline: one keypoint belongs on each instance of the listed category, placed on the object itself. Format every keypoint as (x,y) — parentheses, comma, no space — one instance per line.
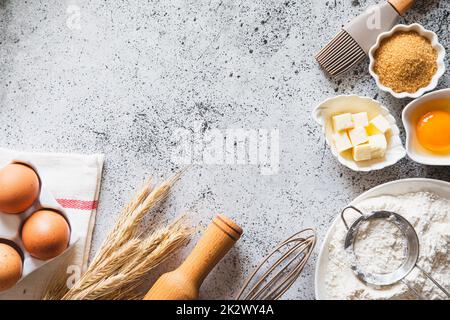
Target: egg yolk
(433,131)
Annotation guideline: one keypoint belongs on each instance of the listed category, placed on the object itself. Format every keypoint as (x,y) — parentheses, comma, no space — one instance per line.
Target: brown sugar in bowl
(407,61)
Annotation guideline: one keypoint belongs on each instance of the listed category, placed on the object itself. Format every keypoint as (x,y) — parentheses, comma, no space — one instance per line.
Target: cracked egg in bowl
(427,125)
(360,132)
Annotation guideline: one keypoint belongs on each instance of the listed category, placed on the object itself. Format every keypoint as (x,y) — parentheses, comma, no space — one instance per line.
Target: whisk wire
(290,277)
(281,274)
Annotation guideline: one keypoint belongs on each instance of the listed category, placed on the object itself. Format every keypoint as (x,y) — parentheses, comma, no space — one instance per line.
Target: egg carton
(11,224)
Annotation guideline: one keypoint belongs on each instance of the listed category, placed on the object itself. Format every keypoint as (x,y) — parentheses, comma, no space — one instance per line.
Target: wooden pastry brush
(353,42)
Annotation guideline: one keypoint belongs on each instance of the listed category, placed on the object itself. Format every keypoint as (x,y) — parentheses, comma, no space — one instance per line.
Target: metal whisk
(271,279)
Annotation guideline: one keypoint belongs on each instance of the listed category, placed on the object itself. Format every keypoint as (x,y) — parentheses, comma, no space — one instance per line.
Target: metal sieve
(412,250)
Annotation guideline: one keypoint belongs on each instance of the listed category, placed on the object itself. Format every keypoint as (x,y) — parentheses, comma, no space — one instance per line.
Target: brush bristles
(340,54)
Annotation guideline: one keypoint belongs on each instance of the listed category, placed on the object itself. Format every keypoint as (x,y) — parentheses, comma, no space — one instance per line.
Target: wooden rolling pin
(184,283)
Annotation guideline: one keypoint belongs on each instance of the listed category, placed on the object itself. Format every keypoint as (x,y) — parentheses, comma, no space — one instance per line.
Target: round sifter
(412,250)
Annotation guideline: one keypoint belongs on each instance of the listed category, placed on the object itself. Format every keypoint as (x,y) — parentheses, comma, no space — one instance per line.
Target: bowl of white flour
(380,247)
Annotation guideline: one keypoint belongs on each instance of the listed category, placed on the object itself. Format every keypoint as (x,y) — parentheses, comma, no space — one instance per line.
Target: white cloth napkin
(74,180)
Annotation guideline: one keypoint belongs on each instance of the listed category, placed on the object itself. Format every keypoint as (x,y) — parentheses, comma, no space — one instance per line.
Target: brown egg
(10,266)
(45,234)
(19,188)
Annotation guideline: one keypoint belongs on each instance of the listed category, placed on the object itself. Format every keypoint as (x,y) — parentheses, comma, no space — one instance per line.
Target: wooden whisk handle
(401,5)
(184,282)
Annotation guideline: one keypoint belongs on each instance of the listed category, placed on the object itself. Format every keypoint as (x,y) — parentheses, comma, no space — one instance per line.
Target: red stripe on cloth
(77,204)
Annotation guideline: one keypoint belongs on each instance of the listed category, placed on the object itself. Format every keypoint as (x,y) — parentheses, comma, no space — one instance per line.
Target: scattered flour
(380,248)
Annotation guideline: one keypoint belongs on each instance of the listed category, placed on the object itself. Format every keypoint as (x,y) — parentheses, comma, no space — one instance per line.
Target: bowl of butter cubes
(360,132)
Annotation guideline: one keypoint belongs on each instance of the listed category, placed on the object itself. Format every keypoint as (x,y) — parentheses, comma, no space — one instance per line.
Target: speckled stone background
(134,71)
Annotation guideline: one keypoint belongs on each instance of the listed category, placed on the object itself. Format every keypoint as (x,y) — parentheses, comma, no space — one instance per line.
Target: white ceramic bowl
(410,115)
(430,35)
(398,187)
(324,112)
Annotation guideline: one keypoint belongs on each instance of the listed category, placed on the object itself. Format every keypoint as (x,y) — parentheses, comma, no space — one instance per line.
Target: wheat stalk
(131,216)
(125,256)
(106,267)
(155,255)
(146,256)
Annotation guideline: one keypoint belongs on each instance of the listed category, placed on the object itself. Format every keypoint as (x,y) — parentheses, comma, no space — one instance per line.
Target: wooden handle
(184,282)
(216,241)
(401,5)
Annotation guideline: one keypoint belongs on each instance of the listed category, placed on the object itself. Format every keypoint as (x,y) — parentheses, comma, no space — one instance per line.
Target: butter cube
(360,119)
(380,123)
(342,122)
(358,136)
(341,141)
(378,144)
(362,152)
(372,130)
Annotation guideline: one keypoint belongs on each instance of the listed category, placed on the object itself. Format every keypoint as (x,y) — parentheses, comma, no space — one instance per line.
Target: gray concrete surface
(129,73)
